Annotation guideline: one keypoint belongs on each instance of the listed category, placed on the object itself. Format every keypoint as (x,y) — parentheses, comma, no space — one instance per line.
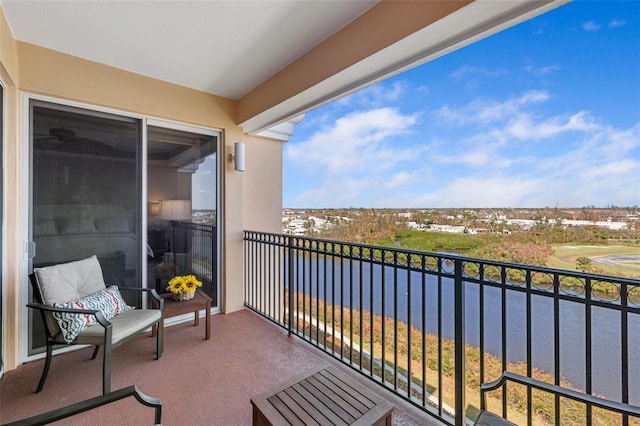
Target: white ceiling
(222,47)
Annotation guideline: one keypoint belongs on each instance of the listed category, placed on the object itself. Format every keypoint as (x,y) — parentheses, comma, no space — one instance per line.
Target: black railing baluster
(303,281)
(269,281)
(361,289)
(383,327)
(556,345)
(317,315)
(350,304)
(409,371)
(371,311)
(423,368)
(395,323)
(291,259)
(624,342)
(439,337)
(325,295)
(587,347)
(260,274)
(459,344)
(481,318)
(529,349)
(503,299)
(341,250)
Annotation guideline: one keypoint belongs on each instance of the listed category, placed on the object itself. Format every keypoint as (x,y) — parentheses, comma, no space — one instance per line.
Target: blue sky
(543,114)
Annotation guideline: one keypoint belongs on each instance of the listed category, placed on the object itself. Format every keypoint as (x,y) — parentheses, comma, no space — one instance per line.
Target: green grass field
(565,256)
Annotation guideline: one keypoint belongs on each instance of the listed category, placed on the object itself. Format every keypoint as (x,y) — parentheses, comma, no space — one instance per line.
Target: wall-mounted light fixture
(238,156)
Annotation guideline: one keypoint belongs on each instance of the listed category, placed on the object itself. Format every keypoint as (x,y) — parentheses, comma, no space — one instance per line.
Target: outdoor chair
(90,404)
(78,309)
(489,419)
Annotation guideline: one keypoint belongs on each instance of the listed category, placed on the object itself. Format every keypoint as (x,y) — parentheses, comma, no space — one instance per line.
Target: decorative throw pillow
(108,301)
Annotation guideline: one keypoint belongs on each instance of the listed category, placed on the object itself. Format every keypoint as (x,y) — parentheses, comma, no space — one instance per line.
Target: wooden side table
(201,300)
(322,396)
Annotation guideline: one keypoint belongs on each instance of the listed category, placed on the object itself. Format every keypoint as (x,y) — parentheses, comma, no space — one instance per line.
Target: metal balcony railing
(197,244)
(433,327)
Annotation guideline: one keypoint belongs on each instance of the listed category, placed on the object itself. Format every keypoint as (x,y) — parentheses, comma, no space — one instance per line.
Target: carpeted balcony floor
(199,382)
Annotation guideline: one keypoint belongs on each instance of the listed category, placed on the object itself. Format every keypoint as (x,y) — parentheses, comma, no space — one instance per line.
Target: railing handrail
(536,268)
(193,225)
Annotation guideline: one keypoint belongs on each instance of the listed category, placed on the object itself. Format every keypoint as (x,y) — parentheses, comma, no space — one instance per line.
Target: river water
(606,330)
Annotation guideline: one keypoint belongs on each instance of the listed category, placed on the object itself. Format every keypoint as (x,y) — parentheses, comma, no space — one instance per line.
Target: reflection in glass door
(85,194)
(182,200)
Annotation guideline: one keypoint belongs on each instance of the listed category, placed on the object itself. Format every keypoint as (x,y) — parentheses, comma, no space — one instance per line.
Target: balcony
(200,382)
(446,318)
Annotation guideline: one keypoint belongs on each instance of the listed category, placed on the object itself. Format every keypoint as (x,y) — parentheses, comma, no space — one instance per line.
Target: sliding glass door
(182,196)
(86,192)
(87,198)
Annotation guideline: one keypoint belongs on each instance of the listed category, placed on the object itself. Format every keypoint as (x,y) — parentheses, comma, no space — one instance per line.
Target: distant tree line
(387,227)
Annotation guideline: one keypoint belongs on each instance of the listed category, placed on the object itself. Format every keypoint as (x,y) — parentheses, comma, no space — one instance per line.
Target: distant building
(448,228)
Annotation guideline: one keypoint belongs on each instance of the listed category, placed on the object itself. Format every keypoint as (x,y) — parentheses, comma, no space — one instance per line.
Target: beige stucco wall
(264,162)
(31,69)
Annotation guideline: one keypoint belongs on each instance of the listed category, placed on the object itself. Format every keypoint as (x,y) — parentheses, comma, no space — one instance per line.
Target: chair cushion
(109,302)
(124,326)
(70,281)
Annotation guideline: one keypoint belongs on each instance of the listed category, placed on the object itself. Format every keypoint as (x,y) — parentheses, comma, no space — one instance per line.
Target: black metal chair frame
(89,404)
(107,343)
(618,407)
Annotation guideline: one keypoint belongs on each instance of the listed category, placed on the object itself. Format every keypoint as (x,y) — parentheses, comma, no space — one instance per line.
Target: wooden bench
(321,396)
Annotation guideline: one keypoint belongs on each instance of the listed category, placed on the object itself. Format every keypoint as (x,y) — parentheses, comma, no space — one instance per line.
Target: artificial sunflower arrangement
(183,287)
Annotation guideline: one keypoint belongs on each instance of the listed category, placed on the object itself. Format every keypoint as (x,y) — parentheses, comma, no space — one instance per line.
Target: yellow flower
(191,282)
(183,283)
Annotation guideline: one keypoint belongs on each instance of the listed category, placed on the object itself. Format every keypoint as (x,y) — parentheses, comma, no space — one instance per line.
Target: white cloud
(617,143)
(591,26)
(524,127)
(342,192)
(477,191)
(486,112)
(614,168)
(467,70)
(375,96)
(354,143)
(541,70)
(398,180)
(471,77)
(364,160)
(616,23)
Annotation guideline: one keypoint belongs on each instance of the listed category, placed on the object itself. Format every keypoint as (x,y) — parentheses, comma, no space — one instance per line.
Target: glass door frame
(207,131)
(3,319)
(25,179)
